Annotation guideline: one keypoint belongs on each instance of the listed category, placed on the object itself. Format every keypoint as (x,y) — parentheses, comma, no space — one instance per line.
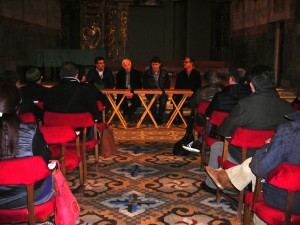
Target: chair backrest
(285,176)
(217,117)
(250,138)
(202,107)
(28,117)
(58,134)
(75,120)
(24,171)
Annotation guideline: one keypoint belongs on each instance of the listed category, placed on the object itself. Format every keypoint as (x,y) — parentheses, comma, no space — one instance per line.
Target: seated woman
(18,140)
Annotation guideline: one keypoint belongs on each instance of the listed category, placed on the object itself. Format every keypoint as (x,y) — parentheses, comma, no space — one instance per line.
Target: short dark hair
(212,77)
(262,77)
(155,59)
(239,75)
(98,59)
(68,69)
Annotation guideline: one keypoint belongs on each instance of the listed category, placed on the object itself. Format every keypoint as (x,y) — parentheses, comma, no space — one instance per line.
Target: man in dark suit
(157,78)
(101,77)
(71,96)
(128,78)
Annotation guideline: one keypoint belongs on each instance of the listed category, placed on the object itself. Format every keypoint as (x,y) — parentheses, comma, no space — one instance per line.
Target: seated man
(71,96)
(157,78)
(283,148)
(128,78)
(262,110)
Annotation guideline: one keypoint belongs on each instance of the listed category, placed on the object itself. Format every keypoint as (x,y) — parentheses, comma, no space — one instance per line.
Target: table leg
(177,111)
(147,111)
(116,110)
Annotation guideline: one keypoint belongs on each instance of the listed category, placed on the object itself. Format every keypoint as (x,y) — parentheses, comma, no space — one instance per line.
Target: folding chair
(26,171)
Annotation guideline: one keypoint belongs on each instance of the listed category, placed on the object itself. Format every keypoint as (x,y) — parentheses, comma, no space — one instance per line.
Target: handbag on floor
(67,208)
(107,142)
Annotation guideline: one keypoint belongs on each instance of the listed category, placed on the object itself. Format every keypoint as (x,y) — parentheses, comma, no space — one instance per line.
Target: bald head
(126,64)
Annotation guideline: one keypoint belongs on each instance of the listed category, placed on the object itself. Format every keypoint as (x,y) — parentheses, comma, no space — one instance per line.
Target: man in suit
(101,77)
(157,78)
(128,78)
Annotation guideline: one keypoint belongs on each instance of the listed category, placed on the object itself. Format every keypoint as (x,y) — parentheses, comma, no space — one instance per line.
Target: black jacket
(193,81)
(227,98)
(135,79)
(149,81)
(94,79)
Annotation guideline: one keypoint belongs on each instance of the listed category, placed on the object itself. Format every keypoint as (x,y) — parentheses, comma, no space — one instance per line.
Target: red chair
(216,119)
(78,121)
(101,108)
(285,176)
(57,138)
(197,129)
(244,138)
(25,171)
(28,117)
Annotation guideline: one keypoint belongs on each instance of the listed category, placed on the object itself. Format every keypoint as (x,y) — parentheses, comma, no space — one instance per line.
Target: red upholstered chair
(101,108)
(216,119)
(244,138)
(39,104)
(25,171)
(28,117)
(200,110)
(78,121)
(285,176)
(57,137)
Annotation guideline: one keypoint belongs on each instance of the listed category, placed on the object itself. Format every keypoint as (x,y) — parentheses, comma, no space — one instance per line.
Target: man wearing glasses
(188,78)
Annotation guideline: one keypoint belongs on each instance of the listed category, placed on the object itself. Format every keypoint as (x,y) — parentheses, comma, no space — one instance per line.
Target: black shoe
(204,186)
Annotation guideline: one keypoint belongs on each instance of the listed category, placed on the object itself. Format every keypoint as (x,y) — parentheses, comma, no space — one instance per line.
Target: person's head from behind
(68,70)
(100,64)
(33,75)
(10,99)
(237,76)
(188,62)
(126,64)
(11,77)
(262,78)
(155,64)
(212,77)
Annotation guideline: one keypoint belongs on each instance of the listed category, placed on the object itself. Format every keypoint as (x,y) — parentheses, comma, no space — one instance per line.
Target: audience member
(226,99)
(18,140)
(71,96)
(34,91)
(261,110)
(129,78)
(283,148)
(188,78)
(101,77)
(157,78)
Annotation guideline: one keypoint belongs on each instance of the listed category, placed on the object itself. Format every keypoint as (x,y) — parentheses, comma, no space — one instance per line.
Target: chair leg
(240,207)
(203,156)
(247,215)
(218,196)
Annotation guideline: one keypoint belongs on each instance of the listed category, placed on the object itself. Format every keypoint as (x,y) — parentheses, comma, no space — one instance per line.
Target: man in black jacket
(157,78)
(128,78)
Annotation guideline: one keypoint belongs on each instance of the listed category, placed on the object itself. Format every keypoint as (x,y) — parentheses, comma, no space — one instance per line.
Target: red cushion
(226,164)
(71,158)
(101,126)
(89,144)
(27,117)
(285,176)
(58,134)
(75,120)
(18,167)
(40,104)
(249,138)
(21,215)
(198,128)
(209,141)
(100,106)
(217,117)
(202,107)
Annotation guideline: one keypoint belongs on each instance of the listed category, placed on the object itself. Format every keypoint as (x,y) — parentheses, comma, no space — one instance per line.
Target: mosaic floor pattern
(143,183)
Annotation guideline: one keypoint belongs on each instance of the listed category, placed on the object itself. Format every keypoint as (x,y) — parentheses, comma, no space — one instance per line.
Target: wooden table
(110,95)
(141,93)
(185,93)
